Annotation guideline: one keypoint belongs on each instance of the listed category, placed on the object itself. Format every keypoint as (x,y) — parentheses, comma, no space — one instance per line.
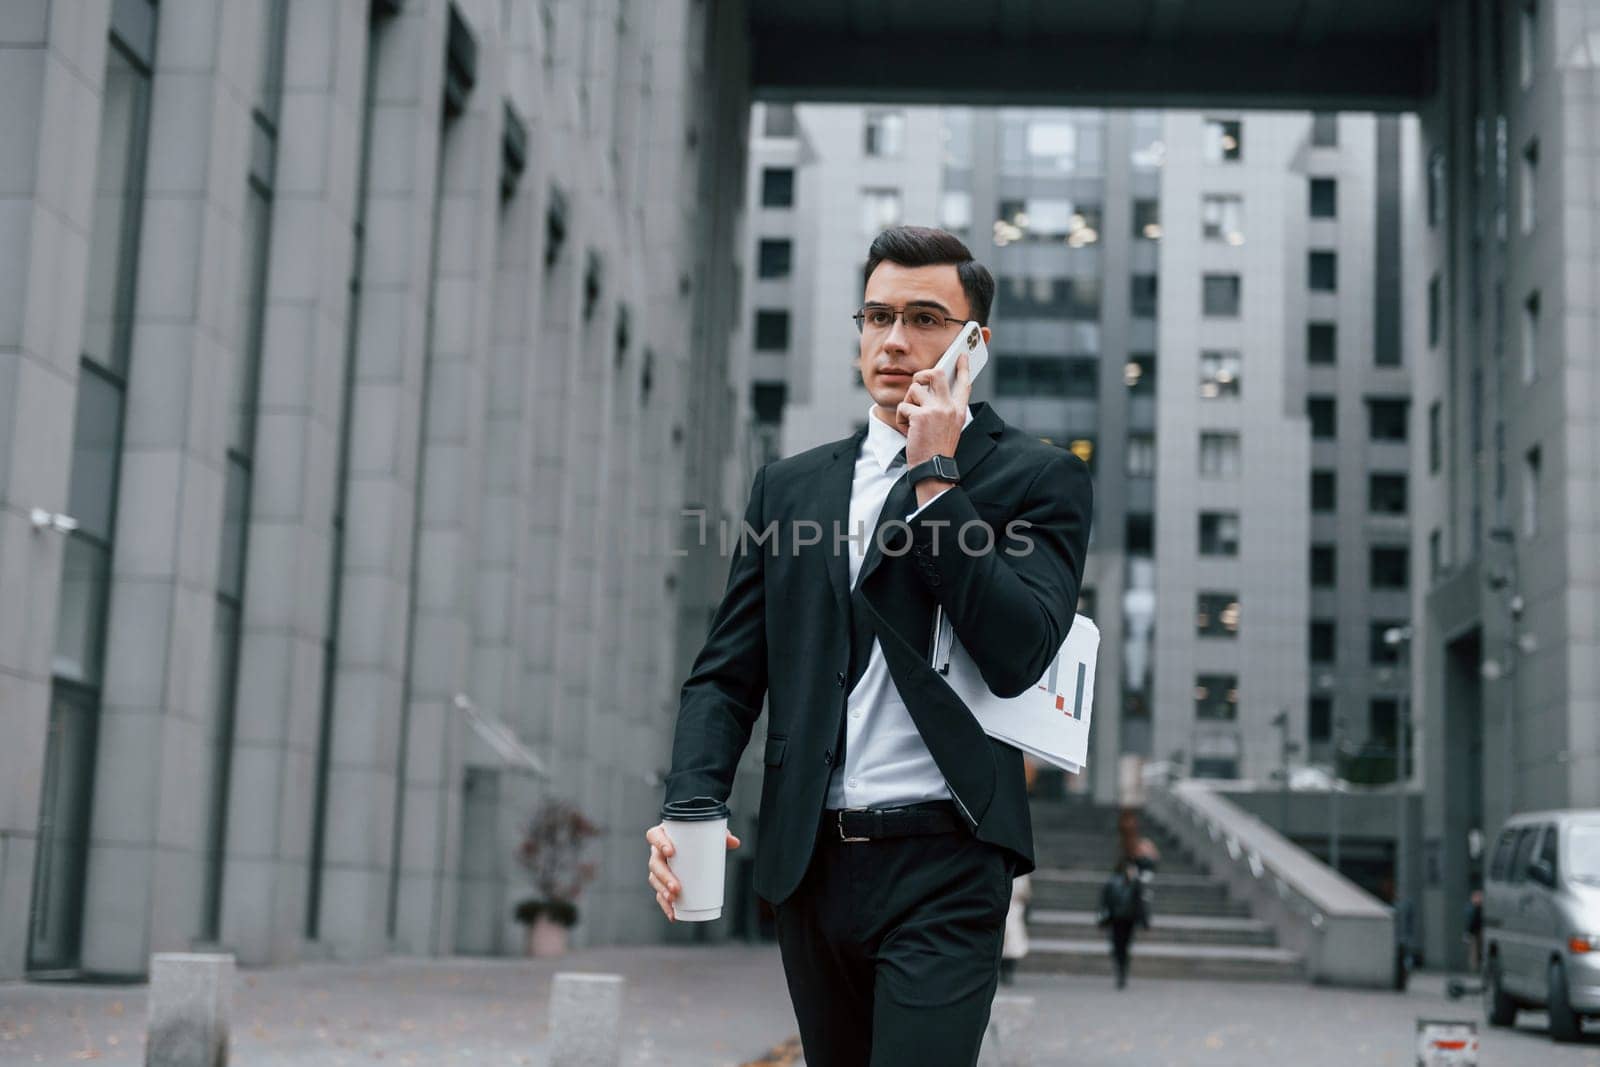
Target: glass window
(1530,338)
(1222,140)
(1322,271)
(1148,151)
(1324,129)
(1504,847)
(96,445)
(1390,567)
(778,120)
(1380,651)
(1143,295)
(1436,187)
(1322,342)
(885,134)
(1386,494)
(955,211)
(774,257)
(1548,850)
(1324,491)
(1527,42)
(1324,640)
(1383,714)
(1217,614)
(1434,311)
(1324,566)
(1139,374)
(1045,297)
(1047,376)
(1147,220)
(1435,554)
(1386,418)
(1216,697)
(777,187)
(1220,295)
(1219,533)
(1222,218)
(1319,718)
(1324,198)
(235,513)
(1530,186)
(1048,218)
(957,136)
(1219,373)
(772,330)
(1139,534)
(1526,840)
(1531,475)
(119,184)
(1053,140)
(80,635)
(880,209)
(1219,455)
(1323,412)
(766,400)
(1433,438)
(1141,455)
(1082,447)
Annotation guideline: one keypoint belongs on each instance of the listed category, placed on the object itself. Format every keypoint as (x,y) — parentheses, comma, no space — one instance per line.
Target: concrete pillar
(52,62)
(586,1020)
(376,589)
(191,998)
(300,404)
(158,724)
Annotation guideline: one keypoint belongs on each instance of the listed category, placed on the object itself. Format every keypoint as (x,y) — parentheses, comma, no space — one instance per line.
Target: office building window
(885,134)
(774,257)
(1219,455)
(1143,296)
(1220,295)
(880,209)
(1324,129)
(1139,534)
(1386,418)
(1383,713)
(1324,491)
(1141,455)
(1322,342)
(1530,338)
(1386,494)
(1435,554)
(1324,566)
(1147,220)
(1530,186)
(1083,447)
(772,330)
(1324,414)
(955,211)
(1436,180)
(1433,438)
(1319,718)
(1216,697)
(1324,198)
(1219,533)
(1435,310)
(777,120)
(1222,218)
(1389,567)
(1217,614)
(1139,374)
(1222,140)
(1219,373)
(1047,376)
(1324,640)
(1531,475)
(1322,271)
(1147,151)
(1527,42)
(1379,651)
(1043,297)
(777,187)
(1048,219)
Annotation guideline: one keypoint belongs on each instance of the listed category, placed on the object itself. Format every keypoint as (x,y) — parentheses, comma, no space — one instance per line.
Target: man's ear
(985,330)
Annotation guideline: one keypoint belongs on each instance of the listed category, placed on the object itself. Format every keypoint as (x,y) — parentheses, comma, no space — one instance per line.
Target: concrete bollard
(191,996)
(586,1020)
(1005,1039)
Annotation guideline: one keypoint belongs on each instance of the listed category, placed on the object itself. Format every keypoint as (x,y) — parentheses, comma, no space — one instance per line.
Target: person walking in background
(1122,908)
(1015,948)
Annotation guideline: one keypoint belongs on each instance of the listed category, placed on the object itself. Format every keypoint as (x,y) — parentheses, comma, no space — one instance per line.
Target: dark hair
(924,246)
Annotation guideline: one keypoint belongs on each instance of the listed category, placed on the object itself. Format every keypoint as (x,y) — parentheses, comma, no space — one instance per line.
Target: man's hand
(931,416)
(661,879)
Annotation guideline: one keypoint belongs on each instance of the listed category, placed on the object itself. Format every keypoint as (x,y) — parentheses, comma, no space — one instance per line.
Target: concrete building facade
(353,355)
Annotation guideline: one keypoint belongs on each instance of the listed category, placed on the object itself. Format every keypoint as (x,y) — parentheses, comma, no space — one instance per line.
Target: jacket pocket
(775,748)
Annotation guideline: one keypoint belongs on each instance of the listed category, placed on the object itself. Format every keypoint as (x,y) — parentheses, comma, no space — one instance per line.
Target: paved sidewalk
(425,1012)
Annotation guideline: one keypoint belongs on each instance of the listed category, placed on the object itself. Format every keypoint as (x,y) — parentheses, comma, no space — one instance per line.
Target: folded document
(1049,721)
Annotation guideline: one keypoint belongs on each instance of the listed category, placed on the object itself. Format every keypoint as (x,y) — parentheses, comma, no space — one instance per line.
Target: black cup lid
(695,809)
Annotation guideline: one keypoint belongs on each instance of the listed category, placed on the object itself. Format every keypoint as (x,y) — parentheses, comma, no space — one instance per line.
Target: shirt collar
(884,442)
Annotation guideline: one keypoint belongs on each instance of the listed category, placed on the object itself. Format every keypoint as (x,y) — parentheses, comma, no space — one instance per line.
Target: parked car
(1541,920)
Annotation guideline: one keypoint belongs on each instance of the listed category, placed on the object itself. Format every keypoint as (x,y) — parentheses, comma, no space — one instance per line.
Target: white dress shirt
(886,763)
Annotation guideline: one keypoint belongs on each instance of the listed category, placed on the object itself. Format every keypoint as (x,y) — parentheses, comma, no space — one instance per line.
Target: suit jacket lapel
(834,505)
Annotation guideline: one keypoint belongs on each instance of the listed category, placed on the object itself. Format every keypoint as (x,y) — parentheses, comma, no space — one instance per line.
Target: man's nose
(897,337)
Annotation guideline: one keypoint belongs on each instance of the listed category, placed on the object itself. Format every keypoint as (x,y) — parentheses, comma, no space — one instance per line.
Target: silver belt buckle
(842,837)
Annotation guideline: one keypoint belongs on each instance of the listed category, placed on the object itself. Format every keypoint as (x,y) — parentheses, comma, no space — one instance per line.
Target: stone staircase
(1196,930)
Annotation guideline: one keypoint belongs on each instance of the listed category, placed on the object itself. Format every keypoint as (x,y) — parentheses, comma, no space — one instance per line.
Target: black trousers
(892,949)
(1121,939)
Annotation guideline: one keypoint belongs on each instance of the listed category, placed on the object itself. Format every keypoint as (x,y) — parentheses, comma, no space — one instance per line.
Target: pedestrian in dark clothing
(1122,908)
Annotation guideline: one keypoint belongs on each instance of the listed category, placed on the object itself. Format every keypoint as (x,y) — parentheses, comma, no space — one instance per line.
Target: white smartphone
(970,341)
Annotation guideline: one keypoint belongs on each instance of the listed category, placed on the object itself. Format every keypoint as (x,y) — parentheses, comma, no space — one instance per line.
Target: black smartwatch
(942,468)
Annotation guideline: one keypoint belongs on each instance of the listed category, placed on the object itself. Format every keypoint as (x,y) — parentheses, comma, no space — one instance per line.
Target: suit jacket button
(839,679)
(827,758)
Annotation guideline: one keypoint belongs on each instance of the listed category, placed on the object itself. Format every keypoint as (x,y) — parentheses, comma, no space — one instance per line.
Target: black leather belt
(873,824)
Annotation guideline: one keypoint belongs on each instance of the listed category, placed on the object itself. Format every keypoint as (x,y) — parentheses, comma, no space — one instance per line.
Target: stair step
(1164,880)
(1151,959)
(1165,929)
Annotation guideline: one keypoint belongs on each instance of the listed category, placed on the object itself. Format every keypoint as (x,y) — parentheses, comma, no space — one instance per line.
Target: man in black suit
(890,824)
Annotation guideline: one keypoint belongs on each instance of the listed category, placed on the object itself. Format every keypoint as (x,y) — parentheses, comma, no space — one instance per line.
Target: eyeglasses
(921,320)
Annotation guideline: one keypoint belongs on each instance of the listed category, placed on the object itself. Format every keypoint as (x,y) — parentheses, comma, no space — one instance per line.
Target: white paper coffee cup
(698,830)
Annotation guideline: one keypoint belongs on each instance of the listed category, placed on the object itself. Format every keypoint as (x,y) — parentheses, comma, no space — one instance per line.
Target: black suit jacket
(783,631)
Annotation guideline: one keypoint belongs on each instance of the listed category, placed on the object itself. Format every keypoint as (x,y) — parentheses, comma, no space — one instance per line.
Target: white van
(1541,920)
